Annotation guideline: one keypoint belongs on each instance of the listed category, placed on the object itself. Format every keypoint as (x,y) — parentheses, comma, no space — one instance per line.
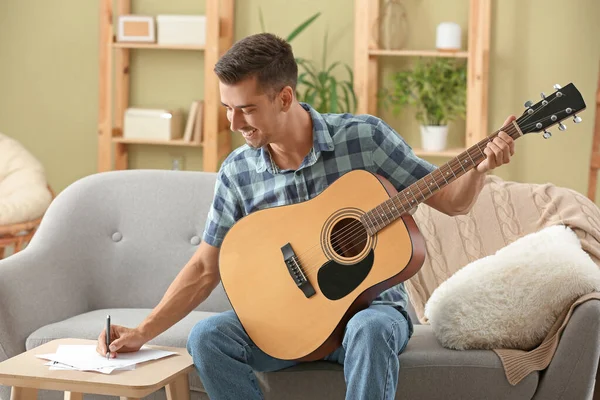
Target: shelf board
(174,142)
(444,153)
(419,53)
(131,45)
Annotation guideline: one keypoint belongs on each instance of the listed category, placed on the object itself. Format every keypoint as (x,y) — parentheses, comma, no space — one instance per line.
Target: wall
(49,74)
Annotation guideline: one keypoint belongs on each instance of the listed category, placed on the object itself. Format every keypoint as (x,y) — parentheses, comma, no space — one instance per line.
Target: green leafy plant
(437,88)
(298,30)
(319,87)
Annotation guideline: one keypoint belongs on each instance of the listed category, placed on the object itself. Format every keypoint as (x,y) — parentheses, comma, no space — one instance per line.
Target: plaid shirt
(249,180)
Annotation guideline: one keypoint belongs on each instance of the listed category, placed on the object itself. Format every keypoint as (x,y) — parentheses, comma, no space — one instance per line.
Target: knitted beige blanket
(520,363)
(504,212)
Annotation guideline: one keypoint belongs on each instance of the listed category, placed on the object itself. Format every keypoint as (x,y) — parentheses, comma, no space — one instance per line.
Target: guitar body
(296,274)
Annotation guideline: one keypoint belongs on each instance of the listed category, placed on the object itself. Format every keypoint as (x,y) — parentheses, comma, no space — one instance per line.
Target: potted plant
(438,89)
(319,86)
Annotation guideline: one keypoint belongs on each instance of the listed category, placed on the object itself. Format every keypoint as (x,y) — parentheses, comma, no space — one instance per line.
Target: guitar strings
(355,229)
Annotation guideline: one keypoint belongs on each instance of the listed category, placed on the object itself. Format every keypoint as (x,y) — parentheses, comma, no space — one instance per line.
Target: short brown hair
(264,55)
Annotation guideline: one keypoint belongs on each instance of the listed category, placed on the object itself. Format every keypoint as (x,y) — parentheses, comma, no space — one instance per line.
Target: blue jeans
(369,353)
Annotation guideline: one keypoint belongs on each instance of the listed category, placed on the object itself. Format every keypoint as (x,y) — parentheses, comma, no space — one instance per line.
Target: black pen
(107,336)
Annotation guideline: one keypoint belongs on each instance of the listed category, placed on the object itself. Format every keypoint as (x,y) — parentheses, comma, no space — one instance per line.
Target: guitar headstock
(564,103)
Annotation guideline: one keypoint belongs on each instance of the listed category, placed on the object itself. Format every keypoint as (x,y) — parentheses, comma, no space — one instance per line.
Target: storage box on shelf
(152,124)
(366,65)
(181,30)
(214,41)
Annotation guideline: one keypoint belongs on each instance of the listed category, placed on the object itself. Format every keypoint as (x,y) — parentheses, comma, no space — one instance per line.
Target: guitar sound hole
(348,237)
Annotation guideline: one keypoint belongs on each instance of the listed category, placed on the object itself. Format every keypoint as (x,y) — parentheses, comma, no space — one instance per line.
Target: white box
(152,124)
(181,29)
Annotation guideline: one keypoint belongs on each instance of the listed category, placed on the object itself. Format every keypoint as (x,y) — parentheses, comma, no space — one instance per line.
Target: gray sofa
(113,242)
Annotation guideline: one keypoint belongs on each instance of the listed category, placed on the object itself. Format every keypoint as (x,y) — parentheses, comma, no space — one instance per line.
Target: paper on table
(85,358)
(62,350)
(56,366)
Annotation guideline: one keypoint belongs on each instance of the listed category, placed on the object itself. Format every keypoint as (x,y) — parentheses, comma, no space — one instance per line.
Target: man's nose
(236,120)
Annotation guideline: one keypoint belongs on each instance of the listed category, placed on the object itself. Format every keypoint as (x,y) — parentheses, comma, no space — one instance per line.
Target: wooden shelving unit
(174,142)
(122,45)
(366,64)
(595,156)
(216,138)
(418,53)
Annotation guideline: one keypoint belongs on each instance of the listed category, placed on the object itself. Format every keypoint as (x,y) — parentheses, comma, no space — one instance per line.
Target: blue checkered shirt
(249,180)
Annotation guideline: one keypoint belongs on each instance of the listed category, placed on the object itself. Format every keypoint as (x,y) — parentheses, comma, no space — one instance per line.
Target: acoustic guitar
(296,274)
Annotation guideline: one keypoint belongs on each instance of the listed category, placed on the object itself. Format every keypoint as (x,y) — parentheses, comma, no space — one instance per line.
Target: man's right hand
(123,340)
(191,286)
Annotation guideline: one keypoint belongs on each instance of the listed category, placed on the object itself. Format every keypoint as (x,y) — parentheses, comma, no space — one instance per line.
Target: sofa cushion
(461,374)
(427,371)
(457,374)
(89,325)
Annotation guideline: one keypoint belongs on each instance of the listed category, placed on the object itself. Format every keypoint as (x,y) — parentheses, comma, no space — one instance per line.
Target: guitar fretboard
(390,210)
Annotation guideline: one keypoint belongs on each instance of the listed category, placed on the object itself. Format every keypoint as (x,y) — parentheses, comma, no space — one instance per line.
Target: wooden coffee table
(26,374)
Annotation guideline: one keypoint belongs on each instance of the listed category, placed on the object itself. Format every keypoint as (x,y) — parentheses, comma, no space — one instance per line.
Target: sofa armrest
(572,372)
(38,286)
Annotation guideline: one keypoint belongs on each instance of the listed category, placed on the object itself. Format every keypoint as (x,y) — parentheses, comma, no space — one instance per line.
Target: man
(292,154)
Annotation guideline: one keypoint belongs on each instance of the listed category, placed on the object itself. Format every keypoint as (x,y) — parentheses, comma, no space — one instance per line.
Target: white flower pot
(433,138)
(448,36)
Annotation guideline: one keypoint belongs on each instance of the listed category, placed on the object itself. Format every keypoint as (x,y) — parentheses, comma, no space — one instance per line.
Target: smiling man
(292,154)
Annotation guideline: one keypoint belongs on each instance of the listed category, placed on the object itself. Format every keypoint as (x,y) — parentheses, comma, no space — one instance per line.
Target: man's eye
(246,112)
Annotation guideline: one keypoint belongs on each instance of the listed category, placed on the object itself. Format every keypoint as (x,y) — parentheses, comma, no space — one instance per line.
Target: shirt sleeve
(395,160)
(224,211)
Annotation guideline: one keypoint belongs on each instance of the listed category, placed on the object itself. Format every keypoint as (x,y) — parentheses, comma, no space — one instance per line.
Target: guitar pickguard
(338,280)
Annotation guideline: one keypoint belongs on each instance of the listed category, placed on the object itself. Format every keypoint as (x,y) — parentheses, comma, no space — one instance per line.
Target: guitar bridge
(295,270)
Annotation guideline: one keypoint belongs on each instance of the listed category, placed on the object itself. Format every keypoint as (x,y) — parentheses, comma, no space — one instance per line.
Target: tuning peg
(542,95)
(576,119)
(547,134)
(557,86)
(528,103)
(562,127)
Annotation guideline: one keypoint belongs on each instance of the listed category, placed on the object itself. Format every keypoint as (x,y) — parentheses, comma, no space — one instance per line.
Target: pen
(107,336)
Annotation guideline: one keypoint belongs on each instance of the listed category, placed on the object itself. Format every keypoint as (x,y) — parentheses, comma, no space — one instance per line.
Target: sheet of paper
(56,366)
(76,349)
(85,358)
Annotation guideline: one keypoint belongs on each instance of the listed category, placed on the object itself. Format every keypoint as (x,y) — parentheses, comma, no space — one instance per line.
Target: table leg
(178,388)
(20,393)
(73,396)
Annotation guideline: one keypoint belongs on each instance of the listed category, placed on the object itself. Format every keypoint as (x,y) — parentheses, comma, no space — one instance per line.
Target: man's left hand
(499,150)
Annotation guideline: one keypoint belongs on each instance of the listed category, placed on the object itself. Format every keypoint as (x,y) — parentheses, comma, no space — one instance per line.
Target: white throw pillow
(512,298)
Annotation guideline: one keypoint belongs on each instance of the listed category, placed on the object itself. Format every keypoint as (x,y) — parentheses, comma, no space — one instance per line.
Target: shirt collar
(322,141)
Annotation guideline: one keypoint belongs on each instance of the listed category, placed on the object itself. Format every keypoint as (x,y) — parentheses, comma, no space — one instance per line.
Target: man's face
(251,111)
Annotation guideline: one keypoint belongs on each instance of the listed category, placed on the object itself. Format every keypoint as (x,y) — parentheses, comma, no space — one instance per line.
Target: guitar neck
(409,198)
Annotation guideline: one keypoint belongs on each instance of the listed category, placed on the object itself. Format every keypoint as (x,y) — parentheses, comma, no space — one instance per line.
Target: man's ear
(286,97)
